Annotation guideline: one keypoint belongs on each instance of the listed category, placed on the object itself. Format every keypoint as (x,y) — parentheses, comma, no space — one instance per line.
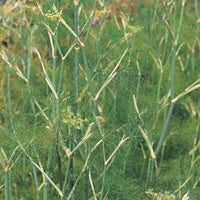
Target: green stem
(88,76)
(196,10)
(36,181)
(9,86)
(104,169)
(9,100)
(196,5)
(103,183)
(66,177)
(157,99)
(76,7)
(54,85)
(86,184)
(60,177)
(171,108)
(7,186)
(61,77)
(154,16)
(24,57)
(45,187)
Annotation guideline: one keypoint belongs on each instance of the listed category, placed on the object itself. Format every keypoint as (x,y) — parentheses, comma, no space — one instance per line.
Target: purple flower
(95,21)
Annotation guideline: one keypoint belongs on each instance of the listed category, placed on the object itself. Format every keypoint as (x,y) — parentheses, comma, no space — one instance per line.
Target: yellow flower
(100,13)
(134,29)
(53,15)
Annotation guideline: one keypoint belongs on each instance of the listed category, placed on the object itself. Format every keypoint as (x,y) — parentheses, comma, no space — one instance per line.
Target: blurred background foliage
(127,176)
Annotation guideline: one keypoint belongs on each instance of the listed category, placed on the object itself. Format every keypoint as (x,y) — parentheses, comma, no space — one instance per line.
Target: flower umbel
(71,119)
(53,15)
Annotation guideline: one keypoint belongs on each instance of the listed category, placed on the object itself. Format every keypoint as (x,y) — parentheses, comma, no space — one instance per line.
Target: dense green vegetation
(105,109)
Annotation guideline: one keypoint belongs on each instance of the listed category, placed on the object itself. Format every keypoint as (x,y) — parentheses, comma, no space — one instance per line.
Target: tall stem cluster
(172,81)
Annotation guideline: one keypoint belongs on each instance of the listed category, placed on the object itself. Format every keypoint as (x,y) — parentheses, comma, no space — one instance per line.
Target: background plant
(82,105)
